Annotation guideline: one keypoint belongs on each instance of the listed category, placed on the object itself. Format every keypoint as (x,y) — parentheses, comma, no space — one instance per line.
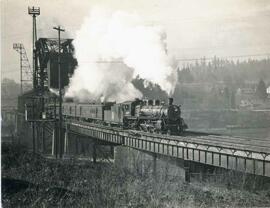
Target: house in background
(268,91)
(247,98)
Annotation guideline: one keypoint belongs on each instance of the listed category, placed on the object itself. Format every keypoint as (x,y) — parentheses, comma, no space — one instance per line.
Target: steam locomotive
(145,115)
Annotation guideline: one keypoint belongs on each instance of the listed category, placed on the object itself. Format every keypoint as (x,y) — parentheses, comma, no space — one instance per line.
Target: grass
(29,180)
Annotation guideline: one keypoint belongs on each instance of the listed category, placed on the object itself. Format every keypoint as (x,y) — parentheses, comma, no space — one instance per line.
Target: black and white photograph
(135,104)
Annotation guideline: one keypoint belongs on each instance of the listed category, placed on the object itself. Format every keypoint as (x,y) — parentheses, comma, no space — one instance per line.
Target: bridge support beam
(66,143)
(187,171)
(34,136)
(43,138)
(94,152)
(155,166)
(55,143)
(112,151)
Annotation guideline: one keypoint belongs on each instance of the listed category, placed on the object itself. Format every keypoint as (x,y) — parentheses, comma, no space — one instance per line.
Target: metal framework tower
(26,73)
(48,72)
(34,12)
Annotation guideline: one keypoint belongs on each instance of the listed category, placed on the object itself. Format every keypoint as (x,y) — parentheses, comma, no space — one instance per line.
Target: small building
(268,91)
(246,98)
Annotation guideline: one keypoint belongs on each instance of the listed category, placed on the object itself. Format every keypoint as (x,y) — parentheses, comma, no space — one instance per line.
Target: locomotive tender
(146,115)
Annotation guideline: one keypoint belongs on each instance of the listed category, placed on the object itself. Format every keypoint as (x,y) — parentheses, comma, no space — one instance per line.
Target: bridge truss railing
(229,157)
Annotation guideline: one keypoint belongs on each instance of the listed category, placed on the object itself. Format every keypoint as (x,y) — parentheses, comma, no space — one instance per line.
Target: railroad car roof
(33,93)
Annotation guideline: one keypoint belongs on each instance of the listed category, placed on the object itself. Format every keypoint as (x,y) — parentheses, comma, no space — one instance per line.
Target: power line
(189,59)
(12,71)
(19,34)
(177,59)
(224,57)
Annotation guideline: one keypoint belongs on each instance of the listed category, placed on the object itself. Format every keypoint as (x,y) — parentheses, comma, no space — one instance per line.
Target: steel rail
(210,153)
(187,140)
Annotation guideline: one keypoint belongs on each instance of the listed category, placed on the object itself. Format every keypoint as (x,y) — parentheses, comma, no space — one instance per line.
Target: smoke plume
(112,48)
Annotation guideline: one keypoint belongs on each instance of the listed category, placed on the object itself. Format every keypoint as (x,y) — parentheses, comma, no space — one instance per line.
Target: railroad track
(219,141)
(261,146)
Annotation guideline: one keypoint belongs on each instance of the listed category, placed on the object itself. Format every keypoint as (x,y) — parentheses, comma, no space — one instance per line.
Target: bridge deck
(243,154)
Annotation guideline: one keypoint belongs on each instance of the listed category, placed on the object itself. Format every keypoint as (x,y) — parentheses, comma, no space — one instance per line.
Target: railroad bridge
(52,69)
(235,153)
(241,154)
(247,155)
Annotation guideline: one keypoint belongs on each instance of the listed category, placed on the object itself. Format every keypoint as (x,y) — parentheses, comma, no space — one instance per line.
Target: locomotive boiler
(158,117)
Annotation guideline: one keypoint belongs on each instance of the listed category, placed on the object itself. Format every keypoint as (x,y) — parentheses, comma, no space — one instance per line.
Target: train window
(70,110)
(80,110)
(127,107)
(157,102)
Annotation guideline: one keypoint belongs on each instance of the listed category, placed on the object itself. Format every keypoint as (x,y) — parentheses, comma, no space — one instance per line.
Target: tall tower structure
(34,12)
(26,74)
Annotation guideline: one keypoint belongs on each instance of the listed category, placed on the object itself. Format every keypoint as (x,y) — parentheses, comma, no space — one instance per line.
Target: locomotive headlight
(43,115)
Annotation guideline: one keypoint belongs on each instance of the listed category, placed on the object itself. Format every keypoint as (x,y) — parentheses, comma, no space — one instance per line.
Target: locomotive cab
(129,107)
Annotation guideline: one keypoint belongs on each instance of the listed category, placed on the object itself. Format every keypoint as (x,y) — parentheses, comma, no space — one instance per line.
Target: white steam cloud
(112,49)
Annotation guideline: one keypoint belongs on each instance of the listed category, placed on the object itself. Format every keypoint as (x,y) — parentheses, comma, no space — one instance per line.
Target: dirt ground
(29,180)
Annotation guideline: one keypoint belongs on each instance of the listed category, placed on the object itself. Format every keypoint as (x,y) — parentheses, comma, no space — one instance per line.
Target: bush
(73,183)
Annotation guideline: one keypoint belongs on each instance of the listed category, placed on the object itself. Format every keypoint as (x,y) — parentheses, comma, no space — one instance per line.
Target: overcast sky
(195,28)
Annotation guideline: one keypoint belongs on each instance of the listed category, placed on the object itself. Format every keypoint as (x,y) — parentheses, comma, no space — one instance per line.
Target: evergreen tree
(185,76)
(261,90)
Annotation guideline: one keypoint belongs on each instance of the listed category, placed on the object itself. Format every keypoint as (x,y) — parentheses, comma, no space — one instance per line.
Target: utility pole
(59,29)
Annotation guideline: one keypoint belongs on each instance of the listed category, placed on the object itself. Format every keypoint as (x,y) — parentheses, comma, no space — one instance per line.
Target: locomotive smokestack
(170,101)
